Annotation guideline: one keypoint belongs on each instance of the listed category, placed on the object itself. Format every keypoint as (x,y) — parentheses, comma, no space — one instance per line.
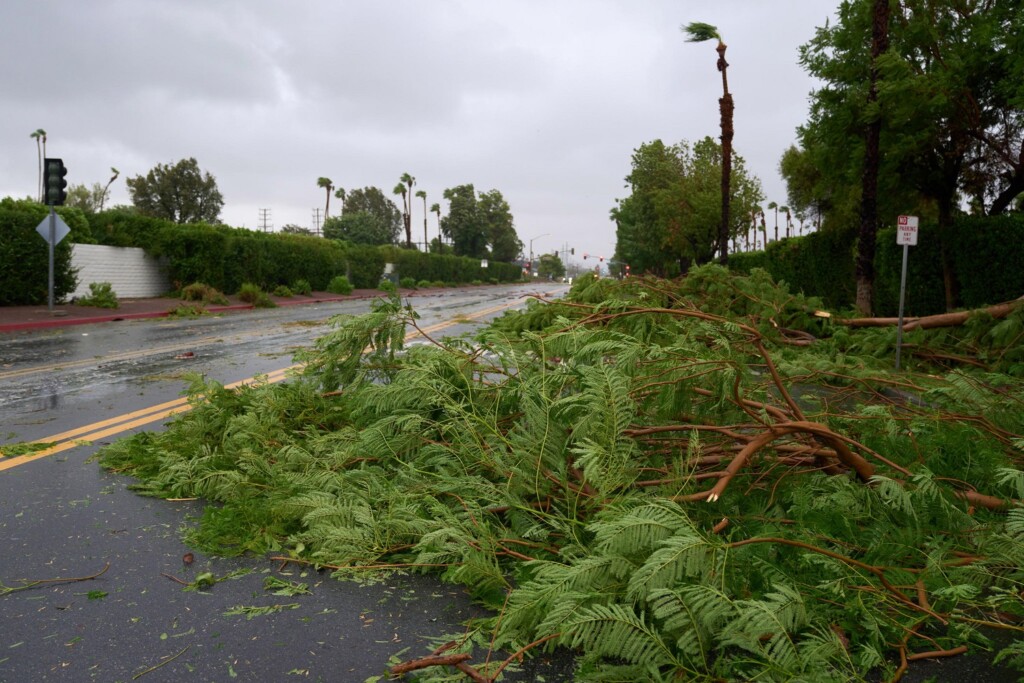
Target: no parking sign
(906,230)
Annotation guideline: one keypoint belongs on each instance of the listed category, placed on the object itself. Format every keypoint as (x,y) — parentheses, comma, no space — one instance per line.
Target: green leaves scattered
(560,466)
(250,611)
(278,586)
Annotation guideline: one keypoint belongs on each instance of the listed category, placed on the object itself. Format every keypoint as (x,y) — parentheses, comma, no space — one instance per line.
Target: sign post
(53,230)
(906,234)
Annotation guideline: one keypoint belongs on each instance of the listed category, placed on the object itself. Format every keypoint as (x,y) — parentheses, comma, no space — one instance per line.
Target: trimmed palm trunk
(700,32)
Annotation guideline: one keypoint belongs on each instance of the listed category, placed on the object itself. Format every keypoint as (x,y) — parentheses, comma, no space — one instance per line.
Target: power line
(264,222)
(316,222)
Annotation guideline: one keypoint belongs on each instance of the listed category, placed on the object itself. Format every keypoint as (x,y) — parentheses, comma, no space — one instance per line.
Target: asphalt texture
(94,587)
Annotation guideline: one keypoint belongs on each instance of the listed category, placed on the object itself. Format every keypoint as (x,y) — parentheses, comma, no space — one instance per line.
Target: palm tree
(789,220)
(422,194)
(340,194)
(436,208)
(699,32)
(38,134)
(407,181)
(327,185)
(401,189)
(773,205)
(106,189)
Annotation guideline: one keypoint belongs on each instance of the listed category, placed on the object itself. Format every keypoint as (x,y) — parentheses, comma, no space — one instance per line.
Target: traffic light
(54,184)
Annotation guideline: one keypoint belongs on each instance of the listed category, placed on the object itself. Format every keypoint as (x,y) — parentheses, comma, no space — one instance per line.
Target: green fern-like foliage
(629,473)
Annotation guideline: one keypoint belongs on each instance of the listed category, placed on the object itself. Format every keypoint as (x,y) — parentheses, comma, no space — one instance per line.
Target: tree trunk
(725,106)
(865,268)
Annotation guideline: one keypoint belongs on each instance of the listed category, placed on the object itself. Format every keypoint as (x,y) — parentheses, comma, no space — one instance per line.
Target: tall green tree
(699,32)
(373,201)
(181,193)
(91,199)
(672,217)
(496,216)
(947,112)
(550,266)
(462,225)
(805,189)
(358,227)
(88,199)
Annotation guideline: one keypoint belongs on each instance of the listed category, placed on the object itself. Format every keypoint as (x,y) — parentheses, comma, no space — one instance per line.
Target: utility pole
(316,222)
(265,224)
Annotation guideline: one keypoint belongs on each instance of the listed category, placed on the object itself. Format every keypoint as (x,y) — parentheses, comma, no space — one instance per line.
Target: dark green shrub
(423,284)
(407,283)
(252,294)
(387,286)
(283,291)
(437,283)
(339,284)
(101,295)
(302,287)
(203,293)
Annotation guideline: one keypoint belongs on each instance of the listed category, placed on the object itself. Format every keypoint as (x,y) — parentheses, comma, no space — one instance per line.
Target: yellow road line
(122,423)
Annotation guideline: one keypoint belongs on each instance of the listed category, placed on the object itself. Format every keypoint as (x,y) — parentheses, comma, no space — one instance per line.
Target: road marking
(122,423)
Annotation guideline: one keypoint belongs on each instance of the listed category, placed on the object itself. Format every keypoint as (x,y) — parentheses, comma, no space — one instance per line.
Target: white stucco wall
(131,274)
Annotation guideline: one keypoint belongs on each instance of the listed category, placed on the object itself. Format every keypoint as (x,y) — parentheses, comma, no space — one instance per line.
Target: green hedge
(24,274)
(448,268)
(122,226)
(819,264)
(216,255)
(986,255)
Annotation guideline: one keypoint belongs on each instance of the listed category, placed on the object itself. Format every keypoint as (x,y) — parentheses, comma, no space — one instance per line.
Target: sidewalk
(19,318)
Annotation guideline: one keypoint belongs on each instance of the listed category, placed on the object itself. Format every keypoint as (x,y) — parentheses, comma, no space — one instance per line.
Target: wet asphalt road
(63,517)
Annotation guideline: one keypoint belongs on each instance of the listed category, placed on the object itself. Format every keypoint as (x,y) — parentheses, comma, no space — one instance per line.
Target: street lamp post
(531,247)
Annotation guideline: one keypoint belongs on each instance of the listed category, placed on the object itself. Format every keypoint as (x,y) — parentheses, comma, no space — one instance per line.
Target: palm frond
(698,32)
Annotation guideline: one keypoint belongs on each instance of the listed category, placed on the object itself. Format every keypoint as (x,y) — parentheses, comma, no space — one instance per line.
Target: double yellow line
(122,423)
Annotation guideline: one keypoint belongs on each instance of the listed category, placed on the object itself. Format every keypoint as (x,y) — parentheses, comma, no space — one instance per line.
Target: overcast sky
(543,100)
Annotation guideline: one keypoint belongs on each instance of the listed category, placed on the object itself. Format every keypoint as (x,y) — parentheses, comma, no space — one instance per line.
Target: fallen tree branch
(4,590)
(928,322)
(429,661)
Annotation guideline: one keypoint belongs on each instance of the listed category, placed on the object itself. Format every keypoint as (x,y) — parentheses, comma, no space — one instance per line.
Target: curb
(116,317)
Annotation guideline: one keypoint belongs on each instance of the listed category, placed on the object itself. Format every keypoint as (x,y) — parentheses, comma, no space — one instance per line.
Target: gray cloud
(544,101)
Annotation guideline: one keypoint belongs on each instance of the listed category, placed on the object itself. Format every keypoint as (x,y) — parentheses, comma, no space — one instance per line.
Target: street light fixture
(531,247)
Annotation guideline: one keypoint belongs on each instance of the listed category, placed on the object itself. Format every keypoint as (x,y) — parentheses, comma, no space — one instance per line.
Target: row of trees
(478,225)
(921,112)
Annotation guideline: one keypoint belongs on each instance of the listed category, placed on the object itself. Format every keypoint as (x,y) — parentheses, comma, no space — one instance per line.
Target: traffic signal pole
(55,187)
(53,238)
